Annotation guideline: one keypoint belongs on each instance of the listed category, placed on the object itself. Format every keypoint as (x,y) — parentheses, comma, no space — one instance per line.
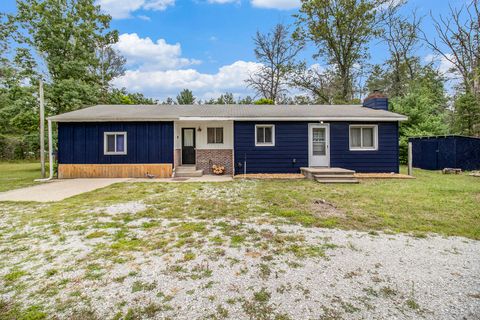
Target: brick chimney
(376,100)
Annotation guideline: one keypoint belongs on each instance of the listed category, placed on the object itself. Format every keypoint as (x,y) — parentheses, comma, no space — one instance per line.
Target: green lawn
(14,175)
(433,202)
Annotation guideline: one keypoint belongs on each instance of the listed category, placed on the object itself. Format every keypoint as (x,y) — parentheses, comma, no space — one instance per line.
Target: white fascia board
(383,119)
(112,120)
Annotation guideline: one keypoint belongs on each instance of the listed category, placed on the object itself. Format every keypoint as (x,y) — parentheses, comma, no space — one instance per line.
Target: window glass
(318,142)
(219,135)
(210,135)
(367,134)
(214,135)
(260,135)
(188,137)
(120,143)
(111,143)
(268,134)
(355,137)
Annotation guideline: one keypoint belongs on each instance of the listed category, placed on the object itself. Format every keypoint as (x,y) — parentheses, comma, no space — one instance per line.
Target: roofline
(379,119)
(443,136)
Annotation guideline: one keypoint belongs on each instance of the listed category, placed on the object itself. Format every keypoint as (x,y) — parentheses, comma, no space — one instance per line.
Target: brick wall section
(220,157)
(177,158)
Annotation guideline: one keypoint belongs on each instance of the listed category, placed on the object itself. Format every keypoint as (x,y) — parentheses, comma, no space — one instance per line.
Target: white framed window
(115,143)
(264,135)
(363,137)
(215,135)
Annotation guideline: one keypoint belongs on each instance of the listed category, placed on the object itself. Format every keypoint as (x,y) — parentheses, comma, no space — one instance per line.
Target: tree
(66,34)
(185,97)
(341,30)
(246,100)
(263,101)
(276,52)
(321,84)
(226,98)
(121,96)
(110,65)
(401,36)
(459,43)
(425,105)
(467,115)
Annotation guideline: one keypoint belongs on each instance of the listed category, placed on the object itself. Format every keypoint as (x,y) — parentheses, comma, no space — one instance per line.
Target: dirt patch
(324,209)
(270,176)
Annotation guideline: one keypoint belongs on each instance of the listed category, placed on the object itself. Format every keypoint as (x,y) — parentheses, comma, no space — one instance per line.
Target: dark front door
(188,145)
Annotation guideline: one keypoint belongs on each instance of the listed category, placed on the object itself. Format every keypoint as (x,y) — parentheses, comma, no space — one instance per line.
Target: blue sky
(206,45)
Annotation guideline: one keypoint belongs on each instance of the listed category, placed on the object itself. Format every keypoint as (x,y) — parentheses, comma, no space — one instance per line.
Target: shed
(450,151)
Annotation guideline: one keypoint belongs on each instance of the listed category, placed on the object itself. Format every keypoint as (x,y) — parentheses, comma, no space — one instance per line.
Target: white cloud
(444,65)
(144,54)
(276,4)
(144,17)
(164,83)
(223,1)
(121,9)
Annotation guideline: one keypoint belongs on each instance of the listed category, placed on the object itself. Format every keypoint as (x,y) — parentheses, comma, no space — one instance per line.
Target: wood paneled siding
(83,143)
(385,159)
(291,142)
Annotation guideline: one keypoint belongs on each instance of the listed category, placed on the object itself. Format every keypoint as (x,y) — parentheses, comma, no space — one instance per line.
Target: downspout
(50,155)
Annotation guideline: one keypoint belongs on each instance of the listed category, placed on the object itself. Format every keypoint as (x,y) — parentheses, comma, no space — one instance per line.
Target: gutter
(50,154)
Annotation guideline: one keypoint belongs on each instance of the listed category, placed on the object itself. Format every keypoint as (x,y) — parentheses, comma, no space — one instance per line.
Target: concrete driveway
(56,190)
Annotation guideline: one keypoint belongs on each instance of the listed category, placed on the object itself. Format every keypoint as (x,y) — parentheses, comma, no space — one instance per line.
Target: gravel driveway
(263,271)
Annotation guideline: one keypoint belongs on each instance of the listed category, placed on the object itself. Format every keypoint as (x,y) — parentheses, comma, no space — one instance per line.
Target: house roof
(105,113)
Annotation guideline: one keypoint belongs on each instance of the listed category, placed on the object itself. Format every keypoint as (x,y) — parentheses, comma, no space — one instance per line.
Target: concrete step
(311,172)
(188,173)
(186,168)
(334,176)
(353,181)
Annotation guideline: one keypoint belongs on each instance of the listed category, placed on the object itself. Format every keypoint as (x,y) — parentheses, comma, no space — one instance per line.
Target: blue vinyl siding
(385,159)
(147,142)
(291,142)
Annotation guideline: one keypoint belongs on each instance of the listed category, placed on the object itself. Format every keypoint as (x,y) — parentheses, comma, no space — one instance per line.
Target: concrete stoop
(329,175)
(187,171)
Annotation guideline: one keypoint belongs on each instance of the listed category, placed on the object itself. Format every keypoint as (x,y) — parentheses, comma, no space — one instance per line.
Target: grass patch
(14,175)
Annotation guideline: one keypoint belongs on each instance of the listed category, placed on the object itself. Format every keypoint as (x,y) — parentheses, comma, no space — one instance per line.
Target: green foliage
(121,96)
(424,103)
(263,101)
(466,117)
(341,31)
(226,98)
(185,97)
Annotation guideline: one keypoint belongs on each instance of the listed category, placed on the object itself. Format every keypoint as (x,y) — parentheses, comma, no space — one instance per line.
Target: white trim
(375,137)
(339,118)
(154,119)
(327,142)
(115,133)
(265,144)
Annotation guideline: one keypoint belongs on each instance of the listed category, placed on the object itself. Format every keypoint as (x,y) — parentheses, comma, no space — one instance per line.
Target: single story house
(159,140)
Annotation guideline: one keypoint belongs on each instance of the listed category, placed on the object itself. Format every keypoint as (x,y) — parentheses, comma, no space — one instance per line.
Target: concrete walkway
(56,190)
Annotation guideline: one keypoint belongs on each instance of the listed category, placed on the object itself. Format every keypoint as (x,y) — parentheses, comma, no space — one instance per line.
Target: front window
(115,143)
(363,137)
(265,135)
(214,135)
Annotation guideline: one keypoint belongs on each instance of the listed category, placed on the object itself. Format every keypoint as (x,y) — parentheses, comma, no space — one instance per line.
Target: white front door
(318,145)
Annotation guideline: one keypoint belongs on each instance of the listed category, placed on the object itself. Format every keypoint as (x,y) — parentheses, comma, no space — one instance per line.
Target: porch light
(199,129)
